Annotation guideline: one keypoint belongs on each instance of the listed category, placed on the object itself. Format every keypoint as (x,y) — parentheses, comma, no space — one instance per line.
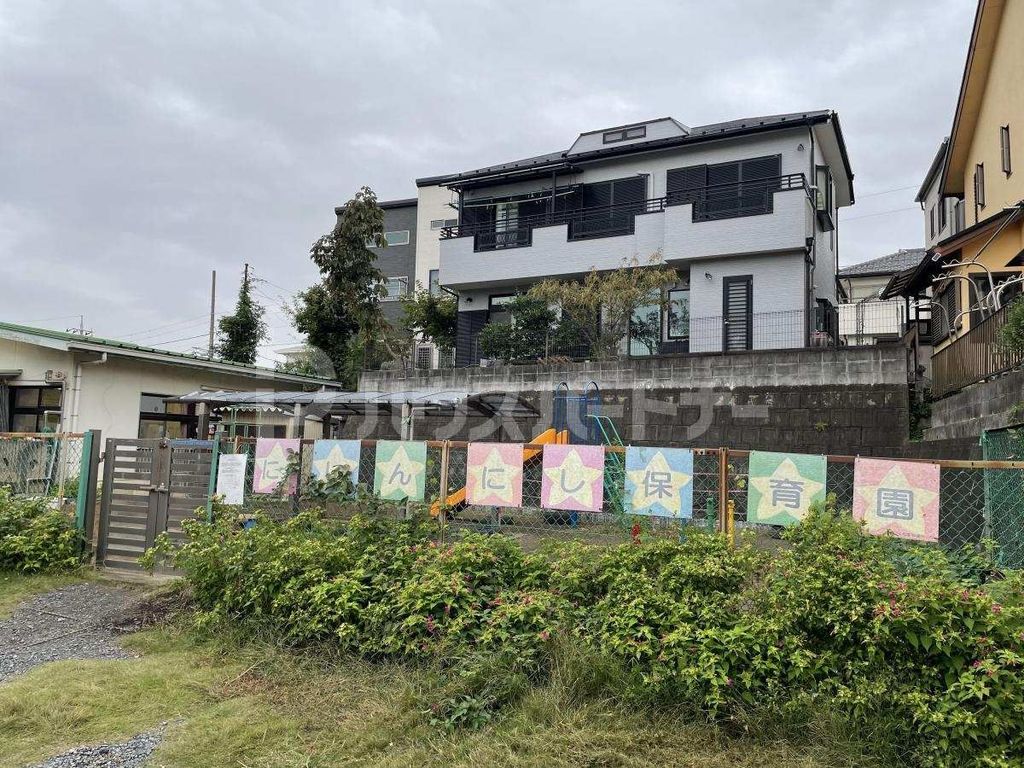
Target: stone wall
(843,401)
(988,405)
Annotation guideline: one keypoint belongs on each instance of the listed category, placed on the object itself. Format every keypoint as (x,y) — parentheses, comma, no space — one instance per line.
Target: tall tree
(242,332)
(433,316)
(344,307)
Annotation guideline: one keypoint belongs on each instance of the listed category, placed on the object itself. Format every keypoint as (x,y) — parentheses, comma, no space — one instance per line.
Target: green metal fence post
(84,467)
(211,488)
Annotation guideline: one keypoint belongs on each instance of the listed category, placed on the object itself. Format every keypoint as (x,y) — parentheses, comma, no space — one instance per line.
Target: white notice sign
(231,477)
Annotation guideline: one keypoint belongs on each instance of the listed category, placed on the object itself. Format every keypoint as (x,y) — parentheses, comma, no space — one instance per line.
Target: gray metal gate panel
(149,487)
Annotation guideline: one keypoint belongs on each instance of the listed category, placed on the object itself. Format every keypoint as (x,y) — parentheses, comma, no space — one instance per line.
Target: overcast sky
(144,144)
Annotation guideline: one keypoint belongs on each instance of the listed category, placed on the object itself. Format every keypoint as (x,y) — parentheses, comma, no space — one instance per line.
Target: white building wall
(432,203)
(778,291)
(111,392)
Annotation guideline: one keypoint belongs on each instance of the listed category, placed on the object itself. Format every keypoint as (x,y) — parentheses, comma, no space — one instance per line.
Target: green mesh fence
(1004,494)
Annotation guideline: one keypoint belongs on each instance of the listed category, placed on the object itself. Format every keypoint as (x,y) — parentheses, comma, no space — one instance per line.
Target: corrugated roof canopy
(359,403)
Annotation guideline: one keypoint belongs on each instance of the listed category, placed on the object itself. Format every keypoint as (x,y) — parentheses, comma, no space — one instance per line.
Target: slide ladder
(614,463)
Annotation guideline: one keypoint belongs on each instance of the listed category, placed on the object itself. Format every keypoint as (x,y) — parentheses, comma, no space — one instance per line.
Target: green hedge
(918,649)
(36,537)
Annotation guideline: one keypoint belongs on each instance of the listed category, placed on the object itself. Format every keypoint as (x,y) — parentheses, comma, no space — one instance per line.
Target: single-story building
(51,381)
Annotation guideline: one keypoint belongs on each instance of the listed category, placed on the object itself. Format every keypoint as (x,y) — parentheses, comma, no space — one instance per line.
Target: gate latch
(159,488)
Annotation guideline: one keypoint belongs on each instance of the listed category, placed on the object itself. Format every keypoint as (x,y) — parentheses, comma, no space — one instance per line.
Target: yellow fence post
(443,500)
(723,487)
(730,521)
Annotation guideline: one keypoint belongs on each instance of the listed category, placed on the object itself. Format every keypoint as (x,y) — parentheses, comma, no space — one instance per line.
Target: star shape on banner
(493,464)
(646,494)
(895,479)
(579,481)
(786,472)
(396,469)
(272,468)
(335,458)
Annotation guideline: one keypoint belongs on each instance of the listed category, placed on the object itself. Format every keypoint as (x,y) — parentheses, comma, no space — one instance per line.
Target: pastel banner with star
(782,486)
(897,497)
(573,477)
(328,455)
(494,474)
(271,464)
(400,471)
(659,482)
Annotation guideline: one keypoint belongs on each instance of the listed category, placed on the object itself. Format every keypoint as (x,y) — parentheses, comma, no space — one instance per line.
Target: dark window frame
(39,410)
(1004,150)
(434,282)
(189,420)
(979,186)
(943,213)
(685,335)
(699,194)
(748,280)
(624,134)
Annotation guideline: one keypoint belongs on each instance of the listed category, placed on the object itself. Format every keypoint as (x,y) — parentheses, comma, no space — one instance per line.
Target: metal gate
(149,487)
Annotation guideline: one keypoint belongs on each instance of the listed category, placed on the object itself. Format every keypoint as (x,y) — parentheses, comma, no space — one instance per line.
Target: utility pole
(213,307)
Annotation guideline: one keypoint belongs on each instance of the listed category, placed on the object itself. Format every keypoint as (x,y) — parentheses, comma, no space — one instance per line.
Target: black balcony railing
(720,201)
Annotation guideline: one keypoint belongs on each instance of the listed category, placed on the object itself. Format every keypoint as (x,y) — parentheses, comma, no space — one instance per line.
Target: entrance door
(737,313)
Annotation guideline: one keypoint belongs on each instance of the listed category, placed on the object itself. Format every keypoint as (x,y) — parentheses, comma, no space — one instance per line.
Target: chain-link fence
(42,464)
(1004,493)
(977,499)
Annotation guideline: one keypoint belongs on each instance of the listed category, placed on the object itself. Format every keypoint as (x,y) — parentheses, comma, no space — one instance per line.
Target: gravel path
(75,622)
(128,754)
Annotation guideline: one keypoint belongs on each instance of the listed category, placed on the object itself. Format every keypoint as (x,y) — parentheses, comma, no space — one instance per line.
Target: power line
(880,213)
(887,191)
(149,331)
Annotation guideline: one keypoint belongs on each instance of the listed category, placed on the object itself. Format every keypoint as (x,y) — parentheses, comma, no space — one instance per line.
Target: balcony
(773,214)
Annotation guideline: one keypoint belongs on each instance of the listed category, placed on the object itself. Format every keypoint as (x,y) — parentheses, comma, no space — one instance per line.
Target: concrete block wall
(825,401)
(988,405)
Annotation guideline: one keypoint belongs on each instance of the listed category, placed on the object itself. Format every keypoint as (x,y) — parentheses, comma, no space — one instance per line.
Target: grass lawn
(258,707)
(16,587)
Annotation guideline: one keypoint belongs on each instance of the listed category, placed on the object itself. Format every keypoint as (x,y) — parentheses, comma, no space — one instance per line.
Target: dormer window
(624,134)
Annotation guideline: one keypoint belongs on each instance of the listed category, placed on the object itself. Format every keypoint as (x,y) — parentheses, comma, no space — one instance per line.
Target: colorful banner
(573,477)
(231,477)
(400,471)
(782,486)
(494,474)
(272,462)
(659,481)
(331,454)
(897,497)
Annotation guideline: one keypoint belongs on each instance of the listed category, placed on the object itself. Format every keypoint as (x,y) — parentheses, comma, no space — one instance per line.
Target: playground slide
(457,498)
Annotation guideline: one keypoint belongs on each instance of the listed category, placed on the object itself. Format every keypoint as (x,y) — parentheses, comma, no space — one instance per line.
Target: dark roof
(127,349)
(696,135)
(910,281)
(933,170)
(904,258)
(405,202)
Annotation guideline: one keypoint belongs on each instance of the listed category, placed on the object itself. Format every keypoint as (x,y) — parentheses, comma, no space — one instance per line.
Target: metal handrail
(649,205)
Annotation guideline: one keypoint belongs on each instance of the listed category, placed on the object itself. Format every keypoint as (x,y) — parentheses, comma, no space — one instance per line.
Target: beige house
(52,381)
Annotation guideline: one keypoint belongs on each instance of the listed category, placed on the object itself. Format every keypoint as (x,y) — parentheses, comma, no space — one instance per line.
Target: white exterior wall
(932,199)
(432,203)
(111,392)
(779,321)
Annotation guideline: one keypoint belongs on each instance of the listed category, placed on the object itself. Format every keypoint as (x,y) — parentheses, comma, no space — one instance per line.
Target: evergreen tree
(242,333)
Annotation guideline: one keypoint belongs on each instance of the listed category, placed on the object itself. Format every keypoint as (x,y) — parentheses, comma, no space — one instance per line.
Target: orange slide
(457,499)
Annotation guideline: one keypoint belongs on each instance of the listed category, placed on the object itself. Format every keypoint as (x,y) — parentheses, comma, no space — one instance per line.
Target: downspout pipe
(76,390)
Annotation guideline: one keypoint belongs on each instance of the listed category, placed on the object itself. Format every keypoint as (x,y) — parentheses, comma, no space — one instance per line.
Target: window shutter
(686,179)
(597,194)
(629,190)
(1004,146)
(761,168)
(723,173)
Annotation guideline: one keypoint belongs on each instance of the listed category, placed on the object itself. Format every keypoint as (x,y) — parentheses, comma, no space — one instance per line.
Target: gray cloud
(143,144)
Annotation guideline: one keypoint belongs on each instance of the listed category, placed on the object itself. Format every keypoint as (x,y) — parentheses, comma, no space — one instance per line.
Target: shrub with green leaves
(918,647)
(35,536)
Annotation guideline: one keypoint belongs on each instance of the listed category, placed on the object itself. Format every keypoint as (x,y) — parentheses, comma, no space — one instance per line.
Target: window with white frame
(397,287)
(393,238)
(434,280)
(442,223)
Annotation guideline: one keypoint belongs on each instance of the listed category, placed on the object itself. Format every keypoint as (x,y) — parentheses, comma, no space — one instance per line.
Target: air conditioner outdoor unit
(55,377)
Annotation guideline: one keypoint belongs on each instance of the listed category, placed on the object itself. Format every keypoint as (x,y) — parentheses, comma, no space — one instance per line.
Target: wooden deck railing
(973,357)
